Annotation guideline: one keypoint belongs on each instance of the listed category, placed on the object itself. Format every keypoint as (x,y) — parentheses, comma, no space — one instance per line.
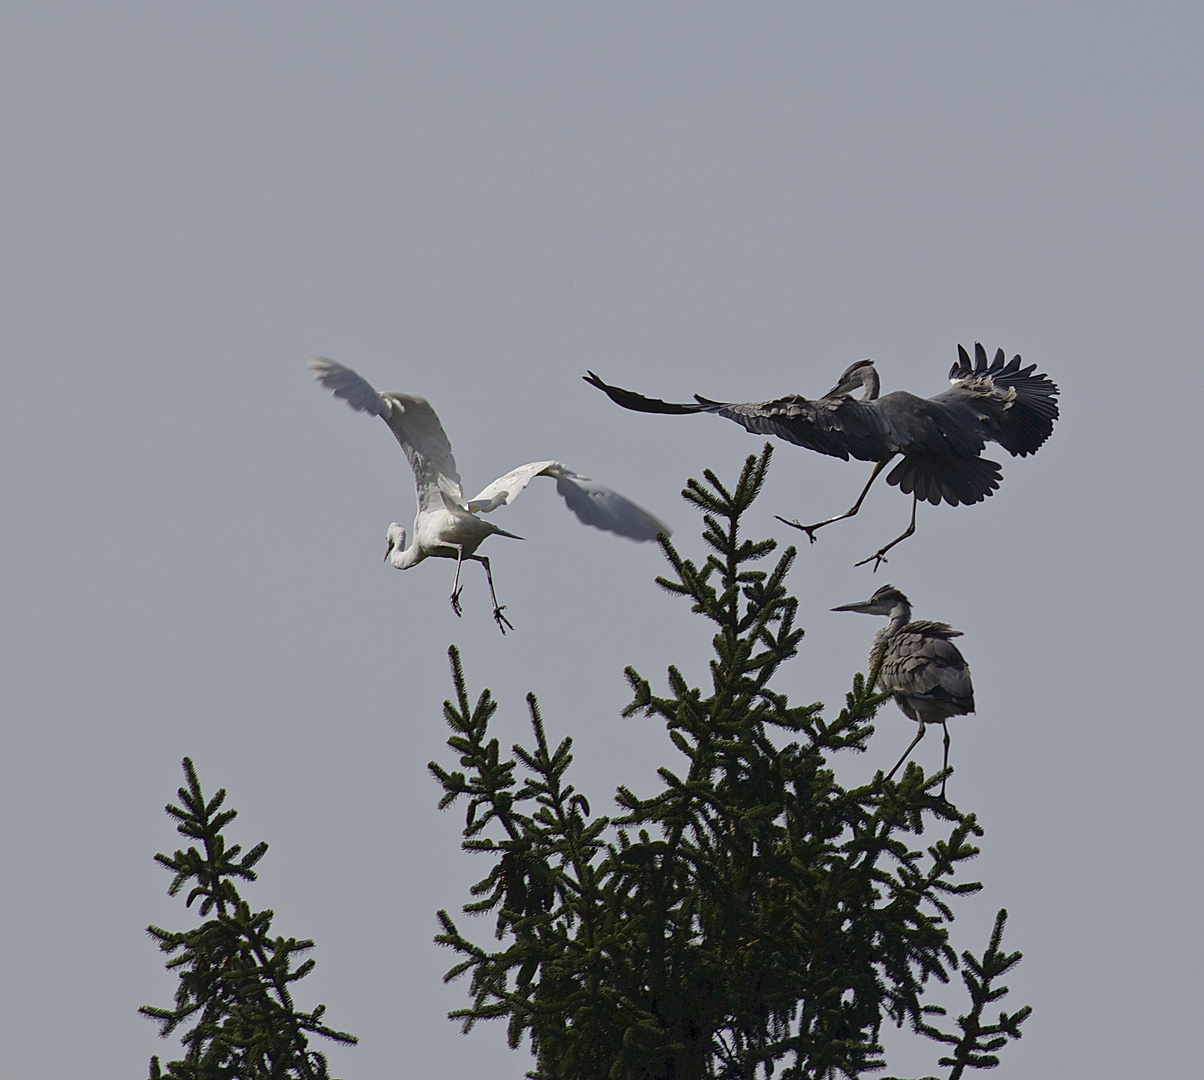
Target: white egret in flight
(448,526)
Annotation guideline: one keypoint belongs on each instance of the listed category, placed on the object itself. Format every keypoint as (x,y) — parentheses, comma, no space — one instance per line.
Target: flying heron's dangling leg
(879,556)
(502,621)
(907,752)
(945,767)
(810,529)
(457,588)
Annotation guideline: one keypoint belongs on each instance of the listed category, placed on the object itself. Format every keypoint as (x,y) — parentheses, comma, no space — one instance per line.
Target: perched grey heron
(941,439)
(919,665)
(448,526)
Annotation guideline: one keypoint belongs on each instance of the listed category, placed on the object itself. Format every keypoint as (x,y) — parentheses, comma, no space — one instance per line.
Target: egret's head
(883,602)
(859,375)
(395,540)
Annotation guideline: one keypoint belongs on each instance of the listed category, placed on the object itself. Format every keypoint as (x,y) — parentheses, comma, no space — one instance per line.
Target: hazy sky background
(476,203)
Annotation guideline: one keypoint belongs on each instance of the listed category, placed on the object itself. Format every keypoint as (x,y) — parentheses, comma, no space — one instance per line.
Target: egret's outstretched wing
(352,387)
(837,426)
(412,421)
(593,503)
(505,489)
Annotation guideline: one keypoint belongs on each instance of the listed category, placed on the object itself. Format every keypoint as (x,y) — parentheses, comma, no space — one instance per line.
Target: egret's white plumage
(448,525)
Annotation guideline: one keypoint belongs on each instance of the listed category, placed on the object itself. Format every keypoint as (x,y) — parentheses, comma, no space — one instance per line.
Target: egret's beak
(866,607)
(388,550)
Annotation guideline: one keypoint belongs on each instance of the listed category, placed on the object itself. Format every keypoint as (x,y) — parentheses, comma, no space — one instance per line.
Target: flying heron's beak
(844,389)
(865,607)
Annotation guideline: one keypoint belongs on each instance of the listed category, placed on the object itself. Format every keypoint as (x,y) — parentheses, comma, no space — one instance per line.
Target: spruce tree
(751,917)
(235,977)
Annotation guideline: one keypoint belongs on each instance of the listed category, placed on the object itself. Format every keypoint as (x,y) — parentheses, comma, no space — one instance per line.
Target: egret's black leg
(879,556)
(946,765)
(907,752)
(456,586)
(502,621)
(810,529)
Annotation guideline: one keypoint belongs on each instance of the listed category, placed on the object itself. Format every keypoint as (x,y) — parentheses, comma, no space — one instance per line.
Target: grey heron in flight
(919,665)
(940,439)
(448,526)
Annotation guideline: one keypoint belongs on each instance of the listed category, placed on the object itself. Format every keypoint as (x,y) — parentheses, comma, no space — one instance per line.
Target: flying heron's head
(395,540)
(859,375)
(886,600)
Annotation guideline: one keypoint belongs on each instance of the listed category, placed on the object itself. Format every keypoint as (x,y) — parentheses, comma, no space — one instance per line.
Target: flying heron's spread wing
(925,668)
(593,503)
(837,426)
(1015,408)
(941,438)
(412,421)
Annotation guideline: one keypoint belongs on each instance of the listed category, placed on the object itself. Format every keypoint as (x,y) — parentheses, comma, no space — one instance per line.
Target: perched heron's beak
(866,607)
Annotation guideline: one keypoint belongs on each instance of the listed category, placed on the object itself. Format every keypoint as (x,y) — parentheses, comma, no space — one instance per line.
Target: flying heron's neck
(870,383)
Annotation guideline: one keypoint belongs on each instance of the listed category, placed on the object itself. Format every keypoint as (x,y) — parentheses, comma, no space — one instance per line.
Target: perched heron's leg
(907,752)
(879,556)
(456,586)
(810,529)
(502,621)
(945,767)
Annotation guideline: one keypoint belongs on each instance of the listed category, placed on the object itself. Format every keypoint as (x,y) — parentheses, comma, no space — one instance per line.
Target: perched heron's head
(883,602)
(861,375)
(395,540)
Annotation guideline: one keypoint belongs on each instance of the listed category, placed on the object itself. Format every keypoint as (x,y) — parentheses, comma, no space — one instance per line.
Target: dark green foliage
(752,917)
(234,976)
(974,1047)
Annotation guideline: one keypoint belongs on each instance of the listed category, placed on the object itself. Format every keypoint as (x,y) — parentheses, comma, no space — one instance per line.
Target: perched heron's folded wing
(593,503)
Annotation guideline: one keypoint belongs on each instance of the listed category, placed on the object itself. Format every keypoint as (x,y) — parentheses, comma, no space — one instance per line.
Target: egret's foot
(502,621)
(808,529)
(455,603)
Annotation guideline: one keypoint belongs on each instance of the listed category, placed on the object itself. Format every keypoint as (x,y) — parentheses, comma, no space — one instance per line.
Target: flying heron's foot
(502,621)
(879,557)
(808,529)
(455,603)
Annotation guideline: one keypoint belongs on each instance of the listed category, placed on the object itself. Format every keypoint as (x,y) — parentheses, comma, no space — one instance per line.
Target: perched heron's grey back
(925,671)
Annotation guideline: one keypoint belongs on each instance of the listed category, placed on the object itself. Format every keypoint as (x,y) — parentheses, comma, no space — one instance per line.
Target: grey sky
(477,203)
